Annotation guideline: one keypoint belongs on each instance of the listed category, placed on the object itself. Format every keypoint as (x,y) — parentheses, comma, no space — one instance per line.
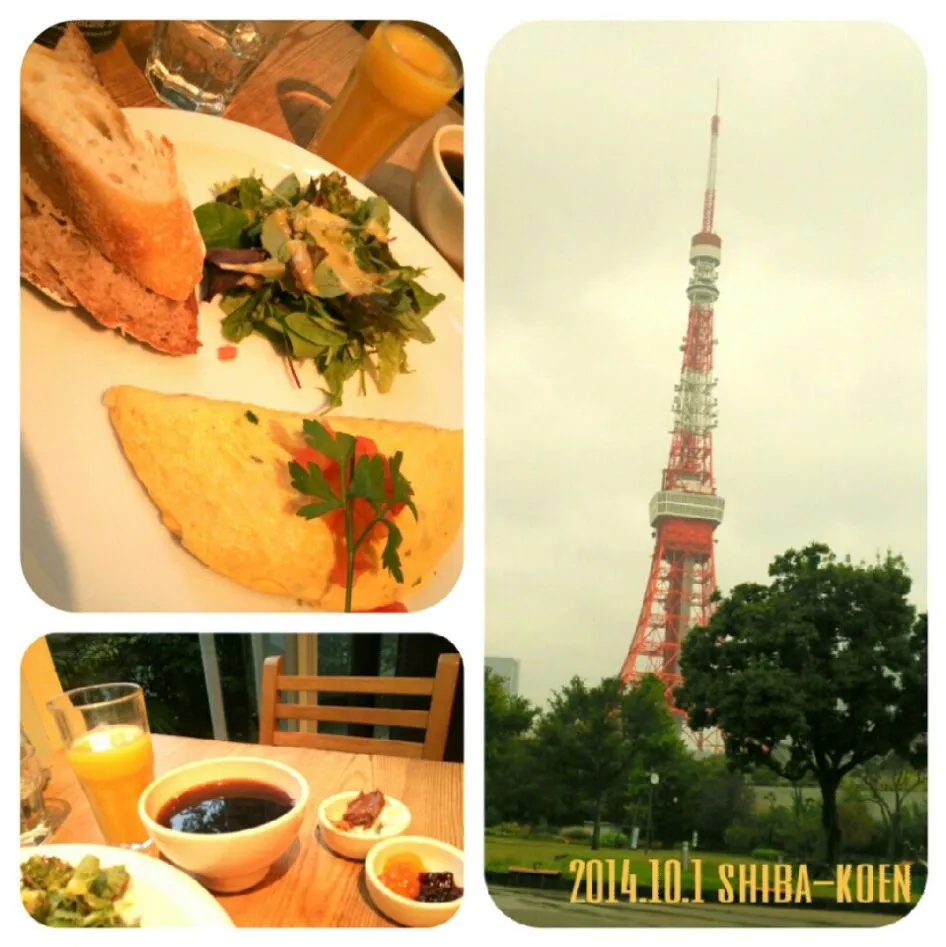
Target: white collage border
(474,28)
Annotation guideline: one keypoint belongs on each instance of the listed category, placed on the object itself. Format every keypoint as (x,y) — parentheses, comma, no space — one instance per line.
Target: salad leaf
(305,333)
(288,190)
(250,191)
(392,360)
(221,225)
(240,323)
(424,302)
(273,238)
(326,281)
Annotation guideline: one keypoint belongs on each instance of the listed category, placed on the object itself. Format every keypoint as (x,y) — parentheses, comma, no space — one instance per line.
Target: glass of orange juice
(404,76)
(108,744)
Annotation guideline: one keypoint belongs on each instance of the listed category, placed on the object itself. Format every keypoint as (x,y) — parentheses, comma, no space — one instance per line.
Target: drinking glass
(404,76)
(108,744)
(199,65)
(34,819)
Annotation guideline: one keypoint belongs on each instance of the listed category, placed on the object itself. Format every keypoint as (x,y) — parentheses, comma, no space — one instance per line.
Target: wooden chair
(435,721)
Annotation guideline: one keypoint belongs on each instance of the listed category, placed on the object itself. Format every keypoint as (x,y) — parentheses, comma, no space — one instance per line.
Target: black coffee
(453,162)
(230,805)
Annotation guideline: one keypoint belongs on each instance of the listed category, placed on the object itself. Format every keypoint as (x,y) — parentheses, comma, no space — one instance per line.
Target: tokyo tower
(686,510)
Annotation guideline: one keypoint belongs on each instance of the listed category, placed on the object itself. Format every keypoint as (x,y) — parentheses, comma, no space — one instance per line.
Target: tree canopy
(594,738)
(508,756)
(818,672)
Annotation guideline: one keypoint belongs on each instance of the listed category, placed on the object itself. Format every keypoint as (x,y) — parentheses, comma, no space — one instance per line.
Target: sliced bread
(122,192)
(61,262)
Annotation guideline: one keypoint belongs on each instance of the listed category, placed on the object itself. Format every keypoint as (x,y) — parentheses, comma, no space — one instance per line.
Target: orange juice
(402,78)
(115,766)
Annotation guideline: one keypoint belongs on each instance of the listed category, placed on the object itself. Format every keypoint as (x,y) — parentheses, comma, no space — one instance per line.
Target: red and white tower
(686,510)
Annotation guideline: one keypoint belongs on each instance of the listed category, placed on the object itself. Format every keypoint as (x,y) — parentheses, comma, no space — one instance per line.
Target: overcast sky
(597,145)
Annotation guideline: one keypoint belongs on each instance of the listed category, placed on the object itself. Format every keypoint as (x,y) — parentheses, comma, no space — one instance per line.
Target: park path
(554,910)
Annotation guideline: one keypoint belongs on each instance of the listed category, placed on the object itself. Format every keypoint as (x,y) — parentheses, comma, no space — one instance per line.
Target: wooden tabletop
(309,886)
(286,96)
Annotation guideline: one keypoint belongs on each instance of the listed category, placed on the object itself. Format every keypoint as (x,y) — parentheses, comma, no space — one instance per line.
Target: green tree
(592,738)
(170,672)
(820,671)
(717,796)
(889,781)
(857,826)
(508,755)
(654,747)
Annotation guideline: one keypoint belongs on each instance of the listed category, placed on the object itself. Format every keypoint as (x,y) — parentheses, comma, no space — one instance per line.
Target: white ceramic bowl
(437,201)
(436,856)
(356,845)
(231,861)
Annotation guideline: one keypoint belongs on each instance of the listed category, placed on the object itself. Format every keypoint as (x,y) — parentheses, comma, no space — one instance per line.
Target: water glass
(199,65)
(108,744)
(34,819)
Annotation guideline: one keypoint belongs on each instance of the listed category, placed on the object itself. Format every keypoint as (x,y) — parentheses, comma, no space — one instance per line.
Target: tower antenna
(709,197)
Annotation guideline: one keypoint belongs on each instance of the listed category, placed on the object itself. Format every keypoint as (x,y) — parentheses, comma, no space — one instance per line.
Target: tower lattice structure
(686,509)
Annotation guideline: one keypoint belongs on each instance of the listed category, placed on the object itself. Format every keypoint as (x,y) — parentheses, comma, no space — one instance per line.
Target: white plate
(158,895)
(91,539)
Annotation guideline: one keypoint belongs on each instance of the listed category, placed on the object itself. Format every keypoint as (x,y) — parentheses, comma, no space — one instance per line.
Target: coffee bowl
(226,862)
(437,201)
(436,856)
(395,820)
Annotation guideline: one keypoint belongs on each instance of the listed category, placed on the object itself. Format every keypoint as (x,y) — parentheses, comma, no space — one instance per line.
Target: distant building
(508,670)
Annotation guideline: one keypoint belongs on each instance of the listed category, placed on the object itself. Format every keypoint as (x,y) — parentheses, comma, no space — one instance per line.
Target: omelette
(218,472)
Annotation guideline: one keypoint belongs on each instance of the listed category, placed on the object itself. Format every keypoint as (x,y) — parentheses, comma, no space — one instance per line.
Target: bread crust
(46,280)
(72,45)
(157,242)
(57,259)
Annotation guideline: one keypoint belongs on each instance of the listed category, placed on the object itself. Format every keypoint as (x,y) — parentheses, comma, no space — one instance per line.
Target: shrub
(509,830)
(613,840)
(577,833)
(740,838)
(859,832)
(767,854)
(545,837)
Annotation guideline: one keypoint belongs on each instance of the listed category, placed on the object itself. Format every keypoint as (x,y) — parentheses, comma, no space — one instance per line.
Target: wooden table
(286,96)
(309,886)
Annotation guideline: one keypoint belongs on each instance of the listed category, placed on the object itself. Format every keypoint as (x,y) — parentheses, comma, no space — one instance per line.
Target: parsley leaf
(311,482)
(401,489)
(389,557)
(319,439)
(368,481)
(373,479)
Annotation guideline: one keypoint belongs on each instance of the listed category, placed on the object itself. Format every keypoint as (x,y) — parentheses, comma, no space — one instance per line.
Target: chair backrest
(435,721)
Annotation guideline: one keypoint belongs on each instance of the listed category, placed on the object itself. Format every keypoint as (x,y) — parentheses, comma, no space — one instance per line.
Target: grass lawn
(527,853)
(501,853)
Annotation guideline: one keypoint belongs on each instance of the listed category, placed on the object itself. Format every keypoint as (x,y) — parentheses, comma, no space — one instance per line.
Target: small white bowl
(436,856)
(230,861)
(357,844)
(437,201)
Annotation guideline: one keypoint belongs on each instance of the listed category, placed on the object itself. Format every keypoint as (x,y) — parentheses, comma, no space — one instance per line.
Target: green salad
(57,894)
(311,268)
